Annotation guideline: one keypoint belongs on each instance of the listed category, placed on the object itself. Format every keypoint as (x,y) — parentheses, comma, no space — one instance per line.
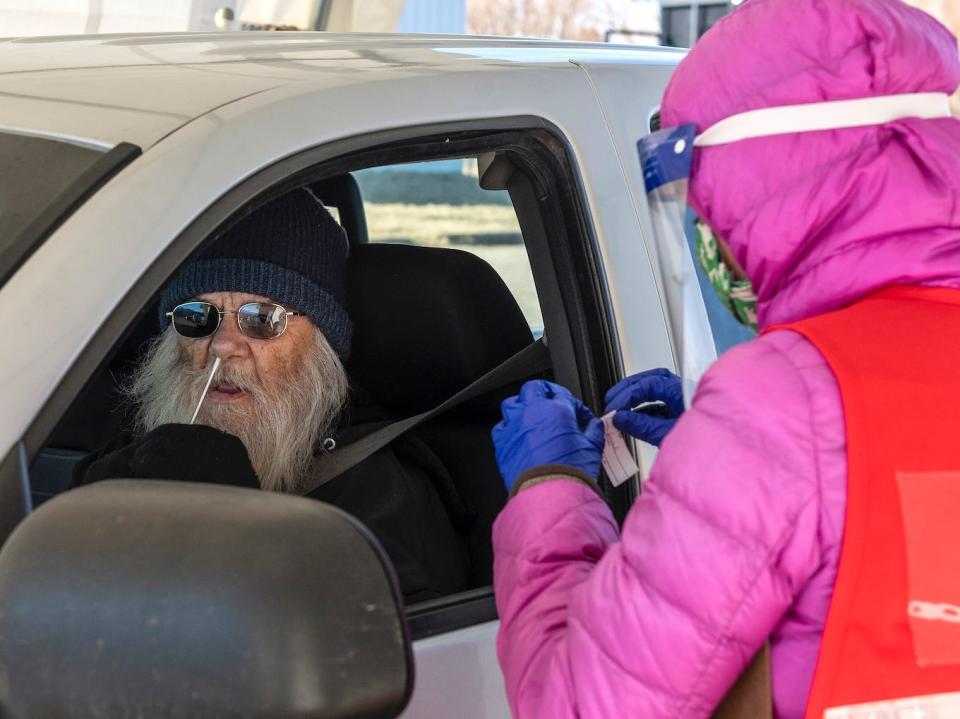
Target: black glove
(184,452)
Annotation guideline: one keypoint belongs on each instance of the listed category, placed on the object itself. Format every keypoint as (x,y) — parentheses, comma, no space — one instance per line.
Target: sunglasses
(257,320)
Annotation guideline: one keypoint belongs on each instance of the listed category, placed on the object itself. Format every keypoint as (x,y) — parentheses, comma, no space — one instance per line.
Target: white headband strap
(833,115)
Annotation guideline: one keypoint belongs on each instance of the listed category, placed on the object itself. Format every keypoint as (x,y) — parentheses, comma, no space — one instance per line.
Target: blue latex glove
(651,425)
(545,424)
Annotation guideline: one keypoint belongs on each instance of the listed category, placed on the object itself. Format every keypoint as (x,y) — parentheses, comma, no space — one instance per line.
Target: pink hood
(822,218)
(736,537)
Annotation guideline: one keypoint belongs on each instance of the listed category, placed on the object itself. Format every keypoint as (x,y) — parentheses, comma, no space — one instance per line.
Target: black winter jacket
(402,493)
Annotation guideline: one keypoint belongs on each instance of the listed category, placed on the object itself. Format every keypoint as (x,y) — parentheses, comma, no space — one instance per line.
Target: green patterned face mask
(736,295)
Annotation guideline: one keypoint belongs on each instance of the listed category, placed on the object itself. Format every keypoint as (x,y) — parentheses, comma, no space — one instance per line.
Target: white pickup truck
(119,157)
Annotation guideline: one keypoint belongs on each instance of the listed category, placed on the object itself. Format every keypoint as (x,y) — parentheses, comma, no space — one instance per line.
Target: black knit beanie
(290,250)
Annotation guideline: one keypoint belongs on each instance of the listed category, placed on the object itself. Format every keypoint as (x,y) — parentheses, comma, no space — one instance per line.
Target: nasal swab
(653,404)
(203,396)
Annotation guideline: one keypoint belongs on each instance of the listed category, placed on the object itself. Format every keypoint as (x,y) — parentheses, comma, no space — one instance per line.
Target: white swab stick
(653,404)
(216,366)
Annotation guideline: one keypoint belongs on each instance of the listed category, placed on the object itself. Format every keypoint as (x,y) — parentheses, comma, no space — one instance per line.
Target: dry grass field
(435,224)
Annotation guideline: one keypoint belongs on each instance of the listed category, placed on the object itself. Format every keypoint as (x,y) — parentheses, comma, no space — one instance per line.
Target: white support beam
(363,15)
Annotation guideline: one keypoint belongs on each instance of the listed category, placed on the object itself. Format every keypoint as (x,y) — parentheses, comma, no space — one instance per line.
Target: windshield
(42,180)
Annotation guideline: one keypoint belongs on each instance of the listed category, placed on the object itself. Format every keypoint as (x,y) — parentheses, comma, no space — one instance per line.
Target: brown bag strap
(752,696)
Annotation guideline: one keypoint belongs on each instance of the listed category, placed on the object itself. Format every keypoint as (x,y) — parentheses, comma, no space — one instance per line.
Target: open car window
(439,291)
(440,204)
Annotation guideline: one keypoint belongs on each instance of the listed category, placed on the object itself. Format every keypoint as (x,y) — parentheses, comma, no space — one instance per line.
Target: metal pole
(323,15)
(694,21)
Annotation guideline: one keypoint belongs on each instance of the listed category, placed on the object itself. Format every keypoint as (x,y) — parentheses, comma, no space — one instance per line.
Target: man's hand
(545,424)
(185,452)
(653,385)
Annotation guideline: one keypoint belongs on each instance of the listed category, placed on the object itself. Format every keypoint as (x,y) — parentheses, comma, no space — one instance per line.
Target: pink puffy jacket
(737,534)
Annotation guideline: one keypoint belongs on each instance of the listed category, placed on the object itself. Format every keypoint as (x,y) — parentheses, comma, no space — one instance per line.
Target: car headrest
(342,192)
(427,322)
(166,599)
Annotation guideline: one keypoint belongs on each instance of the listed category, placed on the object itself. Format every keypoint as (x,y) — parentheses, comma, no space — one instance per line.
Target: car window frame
(51,212)
(558,233)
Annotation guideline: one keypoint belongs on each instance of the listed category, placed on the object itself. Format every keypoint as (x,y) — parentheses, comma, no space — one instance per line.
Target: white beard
(281,429)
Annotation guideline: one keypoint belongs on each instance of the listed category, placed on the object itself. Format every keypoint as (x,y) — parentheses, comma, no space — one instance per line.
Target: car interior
(428,321)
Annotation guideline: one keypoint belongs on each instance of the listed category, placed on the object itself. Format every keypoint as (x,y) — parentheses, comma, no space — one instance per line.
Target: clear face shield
(666,157)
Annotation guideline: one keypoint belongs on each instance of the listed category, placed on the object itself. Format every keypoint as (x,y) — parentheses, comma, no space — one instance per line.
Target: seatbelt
(532,359)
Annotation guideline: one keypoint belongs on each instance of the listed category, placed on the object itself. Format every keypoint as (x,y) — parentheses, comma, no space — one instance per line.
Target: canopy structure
(73,17)
(330,15)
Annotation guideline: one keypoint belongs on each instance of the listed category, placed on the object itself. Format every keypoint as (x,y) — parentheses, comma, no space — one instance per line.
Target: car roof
(104,89)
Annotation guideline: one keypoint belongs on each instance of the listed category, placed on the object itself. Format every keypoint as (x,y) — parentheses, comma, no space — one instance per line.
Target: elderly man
(267,301)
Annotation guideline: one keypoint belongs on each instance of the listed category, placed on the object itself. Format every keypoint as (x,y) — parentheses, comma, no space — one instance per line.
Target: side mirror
(165,599)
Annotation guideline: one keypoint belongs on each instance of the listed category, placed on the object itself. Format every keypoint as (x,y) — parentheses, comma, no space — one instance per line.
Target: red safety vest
(893,629)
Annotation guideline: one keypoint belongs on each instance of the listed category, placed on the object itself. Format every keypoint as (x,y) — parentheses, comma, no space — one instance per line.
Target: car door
(597,287)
